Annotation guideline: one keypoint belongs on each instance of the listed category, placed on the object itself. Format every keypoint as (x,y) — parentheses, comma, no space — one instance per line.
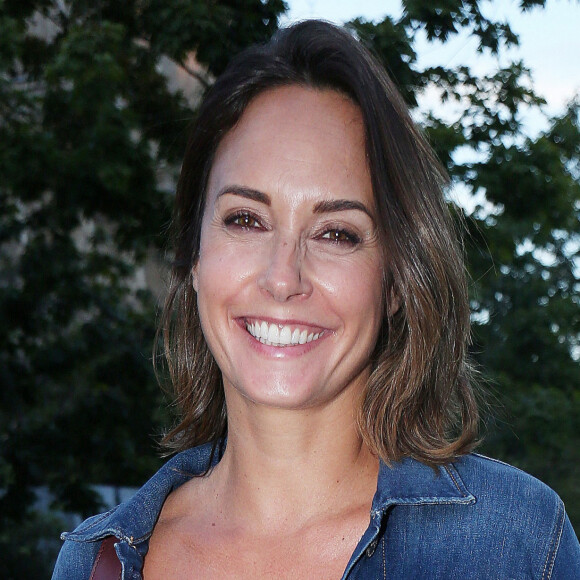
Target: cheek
(355,285)
(222,267)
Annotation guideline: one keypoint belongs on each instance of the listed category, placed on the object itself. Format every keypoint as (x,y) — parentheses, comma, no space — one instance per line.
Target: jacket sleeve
(565,560)
(75,560)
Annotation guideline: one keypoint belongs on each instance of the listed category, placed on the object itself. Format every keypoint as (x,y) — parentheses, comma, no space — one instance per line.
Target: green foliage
(391,43)
(528,293)
(213,30)
(442,19)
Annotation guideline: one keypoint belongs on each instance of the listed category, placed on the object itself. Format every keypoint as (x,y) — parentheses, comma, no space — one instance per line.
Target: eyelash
(243,215)
(335,235)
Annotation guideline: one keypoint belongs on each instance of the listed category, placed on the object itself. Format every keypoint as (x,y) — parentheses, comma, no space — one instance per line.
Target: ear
(393,302)
(194,276)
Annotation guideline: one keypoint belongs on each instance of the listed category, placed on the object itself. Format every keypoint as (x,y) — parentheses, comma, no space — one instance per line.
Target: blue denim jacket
(475,519)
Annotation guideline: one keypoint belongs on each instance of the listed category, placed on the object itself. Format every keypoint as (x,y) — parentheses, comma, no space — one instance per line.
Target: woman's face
(290,268)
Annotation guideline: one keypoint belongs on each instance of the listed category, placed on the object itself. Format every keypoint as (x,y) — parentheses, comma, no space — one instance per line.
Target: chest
(315,552)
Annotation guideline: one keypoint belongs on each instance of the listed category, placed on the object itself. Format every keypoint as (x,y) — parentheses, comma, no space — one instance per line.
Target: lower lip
(281,352)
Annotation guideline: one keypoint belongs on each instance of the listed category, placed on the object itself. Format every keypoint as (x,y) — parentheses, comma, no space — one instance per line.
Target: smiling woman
(316,332)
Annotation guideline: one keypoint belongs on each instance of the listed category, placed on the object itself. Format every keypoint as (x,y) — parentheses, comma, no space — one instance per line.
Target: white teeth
(286,335)
(273,334)
(278,335)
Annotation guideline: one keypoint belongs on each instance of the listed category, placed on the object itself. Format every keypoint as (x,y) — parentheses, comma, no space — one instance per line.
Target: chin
(289,393)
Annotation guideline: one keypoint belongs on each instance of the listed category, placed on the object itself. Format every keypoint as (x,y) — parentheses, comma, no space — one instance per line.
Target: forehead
(306,141)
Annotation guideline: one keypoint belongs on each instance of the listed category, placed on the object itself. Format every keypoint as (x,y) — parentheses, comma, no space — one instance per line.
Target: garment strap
(107,565)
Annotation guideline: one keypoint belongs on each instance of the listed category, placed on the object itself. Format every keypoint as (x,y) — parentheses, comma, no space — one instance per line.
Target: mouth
(281,335)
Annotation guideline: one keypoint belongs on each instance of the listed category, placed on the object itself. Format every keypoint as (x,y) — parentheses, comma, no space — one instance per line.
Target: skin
(289,237)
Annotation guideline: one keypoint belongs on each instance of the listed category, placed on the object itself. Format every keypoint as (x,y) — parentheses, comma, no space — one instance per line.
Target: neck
(284,466)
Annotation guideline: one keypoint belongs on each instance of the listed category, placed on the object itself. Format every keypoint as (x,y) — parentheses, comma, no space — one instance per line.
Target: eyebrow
(326,206)
(246,192)
(333,205)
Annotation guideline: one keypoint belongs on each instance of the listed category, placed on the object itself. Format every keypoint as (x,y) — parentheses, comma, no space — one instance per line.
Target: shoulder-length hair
(419,399)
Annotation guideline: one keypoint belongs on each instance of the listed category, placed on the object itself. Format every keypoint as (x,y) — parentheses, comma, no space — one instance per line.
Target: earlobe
(194,280)
(393,302)
(393,306)
(392,295)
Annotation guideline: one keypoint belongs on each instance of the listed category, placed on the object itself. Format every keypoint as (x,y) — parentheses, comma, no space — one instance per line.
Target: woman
(316,333)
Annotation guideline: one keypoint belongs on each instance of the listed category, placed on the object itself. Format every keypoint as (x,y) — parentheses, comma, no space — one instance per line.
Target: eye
(243,219)
(341,236)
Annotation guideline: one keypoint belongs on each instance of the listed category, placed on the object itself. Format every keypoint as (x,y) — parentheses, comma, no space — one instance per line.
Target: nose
(283,276)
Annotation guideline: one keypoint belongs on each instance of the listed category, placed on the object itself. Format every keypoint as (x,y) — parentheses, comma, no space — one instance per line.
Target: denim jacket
(474,519)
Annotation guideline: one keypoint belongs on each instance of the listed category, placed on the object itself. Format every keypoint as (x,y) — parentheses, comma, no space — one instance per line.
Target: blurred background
(96,97)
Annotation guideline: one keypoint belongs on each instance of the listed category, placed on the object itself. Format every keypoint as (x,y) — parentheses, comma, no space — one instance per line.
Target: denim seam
(454,481)
(384,559)
(132,541)
(98,520)
(420,501)
(498,461)
(109,531)
(554,543)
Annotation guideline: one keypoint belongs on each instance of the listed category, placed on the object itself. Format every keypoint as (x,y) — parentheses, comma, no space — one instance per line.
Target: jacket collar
(410,482)
(133,520)
(406,482)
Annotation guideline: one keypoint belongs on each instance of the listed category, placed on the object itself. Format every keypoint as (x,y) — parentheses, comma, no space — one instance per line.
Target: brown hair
(419,399)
